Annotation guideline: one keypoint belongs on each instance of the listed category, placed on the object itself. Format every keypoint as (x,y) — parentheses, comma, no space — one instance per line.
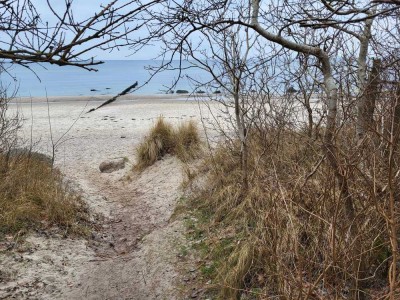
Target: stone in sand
(112,165)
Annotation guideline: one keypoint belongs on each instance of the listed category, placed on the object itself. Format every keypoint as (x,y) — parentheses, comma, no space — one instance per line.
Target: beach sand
(135,254)
(112,131)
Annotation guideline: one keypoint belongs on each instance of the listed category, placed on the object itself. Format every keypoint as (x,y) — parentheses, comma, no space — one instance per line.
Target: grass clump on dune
(34,196)
(163,138)
(188,141)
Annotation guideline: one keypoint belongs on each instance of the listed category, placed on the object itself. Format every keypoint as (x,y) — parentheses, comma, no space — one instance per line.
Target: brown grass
(188,144)
(287,235)
(163,138)
(33,196)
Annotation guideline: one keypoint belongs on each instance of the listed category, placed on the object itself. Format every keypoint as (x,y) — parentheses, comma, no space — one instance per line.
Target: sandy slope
(135,253)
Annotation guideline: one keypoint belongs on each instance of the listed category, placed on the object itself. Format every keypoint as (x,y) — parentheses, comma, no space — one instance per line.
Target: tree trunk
(362,103)
(373,91)
(331,154)
(396,116)
(329,147)
(367,103)
(242,137)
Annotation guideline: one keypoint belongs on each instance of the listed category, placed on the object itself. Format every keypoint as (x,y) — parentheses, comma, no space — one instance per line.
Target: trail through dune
(134,251)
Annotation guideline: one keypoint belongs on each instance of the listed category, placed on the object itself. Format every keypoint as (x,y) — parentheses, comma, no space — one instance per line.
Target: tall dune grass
(163,138)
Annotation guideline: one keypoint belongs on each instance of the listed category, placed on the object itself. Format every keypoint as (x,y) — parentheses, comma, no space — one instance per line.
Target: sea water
(111,77)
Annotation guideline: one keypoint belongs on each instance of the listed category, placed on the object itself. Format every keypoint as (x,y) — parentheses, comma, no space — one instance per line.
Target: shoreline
(101,98)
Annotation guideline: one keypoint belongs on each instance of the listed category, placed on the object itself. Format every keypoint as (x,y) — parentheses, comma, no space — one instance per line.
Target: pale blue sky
(84,9)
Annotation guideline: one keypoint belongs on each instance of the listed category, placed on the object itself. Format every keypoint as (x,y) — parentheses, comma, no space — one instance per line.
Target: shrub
(10,123)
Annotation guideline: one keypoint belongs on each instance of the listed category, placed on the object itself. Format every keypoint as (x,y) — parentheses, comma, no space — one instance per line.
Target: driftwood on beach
(124,92)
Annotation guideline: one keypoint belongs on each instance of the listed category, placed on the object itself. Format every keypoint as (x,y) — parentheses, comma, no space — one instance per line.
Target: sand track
(134,253)
(137,250)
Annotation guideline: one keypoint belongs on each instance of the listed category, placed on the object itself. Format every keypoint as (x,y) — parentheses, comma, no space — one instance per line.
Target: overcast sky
(82,10)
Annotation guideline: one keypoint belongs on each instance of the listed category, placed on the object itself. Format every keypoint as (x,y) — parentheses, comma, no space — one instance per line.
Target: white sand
(110,132)
(134,256)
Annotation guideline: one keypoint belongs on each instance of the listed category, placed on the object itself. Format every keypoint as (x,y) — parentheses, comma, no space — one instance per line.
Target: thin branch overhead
(28,38)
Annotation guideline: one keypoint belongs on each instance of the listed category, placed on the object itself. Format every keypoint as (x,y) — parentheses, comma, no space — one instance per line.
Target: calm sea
(111,78)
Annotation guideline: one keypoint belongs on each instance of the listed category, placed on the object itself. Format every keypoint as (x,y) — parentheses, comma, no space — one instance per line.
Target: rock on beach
(112,165)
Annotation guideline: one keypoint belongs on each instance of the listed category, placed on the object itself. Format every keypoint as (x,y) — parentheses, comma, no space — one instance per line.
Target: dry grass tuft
(33,196)
(160,141)
(188,141)
(236,269)
(164,139)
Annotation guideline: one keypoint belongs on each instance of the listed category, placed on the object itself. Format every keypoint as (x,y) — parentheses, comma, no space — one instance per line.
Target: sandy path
(137,251)
(135,254)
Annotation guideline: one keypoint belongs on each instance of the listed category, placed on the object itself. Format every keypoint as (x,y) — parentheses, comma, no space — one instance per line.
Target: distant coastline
(101,98)
(112,77)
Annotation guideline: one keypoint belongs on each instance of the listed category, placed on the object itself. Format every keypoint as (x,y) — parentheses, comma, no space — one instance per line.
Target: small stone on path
(110,166)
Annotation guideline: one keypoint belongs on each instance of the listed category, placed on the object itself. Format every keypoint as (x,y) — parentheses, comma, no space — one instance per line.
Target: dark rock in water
(93,90)
(291,90)
(110,166)
(182,92)
(200,92)
(26,152)
(108,88)
(217,92)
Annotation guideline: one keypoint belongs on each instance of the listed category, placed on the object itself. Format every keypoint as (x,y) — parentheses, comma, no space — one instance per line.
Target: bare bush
(288,235)
(9,122)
